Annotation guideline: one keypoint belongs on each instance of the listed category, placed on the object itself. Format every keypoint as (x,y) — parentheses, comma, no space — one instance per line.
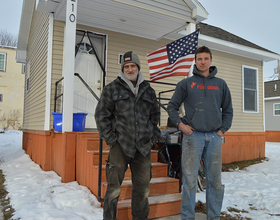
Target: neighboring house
(272,110)
(60,38)
(11,89)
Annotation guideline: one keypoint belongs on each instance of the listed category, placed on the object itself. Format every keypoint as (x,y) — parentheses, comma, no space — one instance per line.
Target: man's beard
(130,77)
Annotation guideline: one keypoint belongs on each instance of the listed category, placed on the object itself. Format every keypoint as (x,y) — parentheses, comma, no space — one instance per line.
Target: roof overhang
(236,49)
(25,23)
(272,98)
(142,18)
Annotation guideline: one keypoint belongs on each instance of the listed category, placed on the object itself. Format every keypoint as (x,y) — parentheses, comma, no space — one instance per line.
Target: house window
(276,109)
(120,59)
(3,62)
(27,76)
(23,70)
(250,89)
(1,97)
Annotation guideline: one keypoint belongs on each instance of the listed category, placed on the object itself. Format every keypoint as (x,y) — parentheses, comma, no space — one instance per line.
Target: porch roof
(143,18)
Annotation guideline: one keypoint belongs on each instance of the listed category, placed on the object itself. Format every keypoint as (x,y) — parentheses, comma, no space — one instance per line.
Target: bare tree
(8,39)
(275,76)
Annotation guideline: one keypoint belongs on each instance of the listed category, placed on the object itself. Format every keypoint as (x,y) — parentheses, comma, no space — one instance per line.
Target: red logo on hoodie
(193,84)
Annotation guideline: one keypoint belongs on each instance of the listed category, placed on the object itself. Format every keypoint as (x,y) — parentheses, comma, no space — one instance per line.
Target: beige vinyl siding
(34,102)
(57,64)
(230,69)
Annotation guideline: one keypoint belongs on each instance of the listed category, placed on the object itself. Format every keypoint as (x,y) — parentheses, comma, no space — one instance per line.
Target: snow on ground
(256,189)
(40,195)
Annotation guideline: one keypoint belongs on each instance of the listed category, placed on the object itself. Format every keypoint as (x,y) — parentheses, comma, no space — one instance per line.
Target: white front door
(87,66)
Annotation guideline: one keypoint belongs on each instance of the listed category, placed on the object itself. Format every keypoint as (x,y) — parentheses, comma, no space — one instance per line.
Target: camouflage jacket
(128,118)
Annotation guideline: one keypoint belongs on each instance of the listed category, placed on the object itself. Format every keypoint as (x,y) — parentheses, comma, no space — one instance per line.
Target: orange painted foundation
(241,146)
(272,136)
(68,153)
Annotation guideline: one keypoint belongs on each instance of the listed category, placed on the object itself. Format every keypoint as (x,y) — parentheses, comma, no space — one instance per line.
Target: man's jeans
(141,175)
(208,145)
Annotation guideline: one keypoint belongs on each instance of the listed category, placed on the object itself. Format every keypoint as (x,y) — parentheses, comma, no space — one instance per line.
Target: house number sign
(72,16)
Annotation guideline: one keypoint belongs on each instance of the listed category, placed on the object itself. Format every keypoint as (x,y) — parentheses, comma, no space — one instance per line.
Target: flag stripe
(165,57)
(183,60)
(174,59)
(183,69)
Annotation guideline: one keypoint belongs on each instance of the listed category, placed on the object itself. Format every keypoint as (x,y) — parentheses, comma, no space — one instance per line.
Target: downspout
(49,75)
(263,98)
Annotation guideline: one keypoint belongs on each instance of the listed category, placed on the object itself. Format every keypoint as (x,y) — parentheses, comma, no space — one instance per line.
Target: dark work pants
(141,175)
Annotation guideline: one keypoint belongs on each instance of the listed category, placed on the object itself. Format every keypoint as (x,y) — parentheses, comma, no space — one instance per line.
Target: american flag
(174,59)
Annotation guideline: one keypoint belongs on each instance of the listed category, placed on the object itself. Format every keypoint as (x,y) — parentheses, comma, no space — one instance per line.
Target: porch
(74,156)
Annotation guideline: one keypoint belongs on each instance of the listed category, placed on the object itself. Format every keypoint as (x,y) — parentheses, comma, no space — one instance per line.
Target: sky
(39,195)
(254,20)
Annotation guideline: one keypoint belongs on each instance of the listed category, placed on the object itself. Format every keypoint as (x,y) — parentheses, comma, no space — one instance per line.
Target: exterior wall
(52,151)
(272,122)
(34,100)
(230,69)
(57,64)
(11,88)
(241,146)
(272,136)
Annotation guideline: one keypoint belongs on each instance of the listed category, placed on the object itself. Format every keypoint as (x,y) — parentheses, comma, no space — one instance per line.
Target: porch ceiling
(152,19)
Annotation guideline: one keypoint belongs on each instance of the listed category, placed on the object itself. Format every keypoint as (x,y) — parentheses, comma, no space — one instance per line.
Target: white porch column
(191,27)
(49,75)
(69,64)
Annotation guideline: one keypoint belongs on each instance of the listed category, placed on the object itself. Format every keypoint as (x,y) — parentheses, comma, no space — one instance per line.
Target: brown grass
(5,200)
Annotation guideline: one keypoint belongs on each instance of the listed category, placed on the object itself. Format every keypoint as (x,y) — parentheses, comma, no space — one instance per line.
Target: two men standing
(127,116)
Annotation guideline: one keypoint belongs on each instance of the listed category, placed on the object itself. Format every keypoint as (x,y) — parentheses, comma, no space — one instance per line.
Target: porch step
(93,144)
(164,197)
(158,170)
(105,153)
(158,186)
(160,206)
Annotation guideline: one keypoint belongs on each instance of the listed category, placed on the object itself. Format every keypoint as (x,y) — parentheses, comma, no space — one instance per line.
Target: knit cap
(130,57)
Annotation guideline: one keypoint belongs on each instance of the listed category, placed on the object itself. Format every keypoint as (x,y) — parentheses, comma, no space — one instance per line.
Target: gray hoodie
(207,102)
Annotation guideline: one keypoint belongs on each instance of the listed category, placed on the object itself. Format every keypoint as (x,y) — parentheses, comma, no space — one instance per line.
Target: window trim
(257,89)
(23,68)
(120,59)
(275,109)
(27,76)
(5,61)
